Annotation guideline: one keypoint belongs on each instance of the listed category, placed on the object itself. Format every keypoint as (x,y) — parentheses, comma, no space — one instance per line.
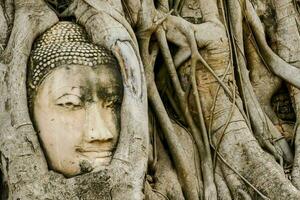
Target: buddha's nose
(95,128)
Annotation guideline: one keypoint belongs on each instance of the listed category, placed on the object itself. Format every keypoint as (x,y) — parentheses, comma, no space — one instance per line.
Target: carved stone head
(75,93)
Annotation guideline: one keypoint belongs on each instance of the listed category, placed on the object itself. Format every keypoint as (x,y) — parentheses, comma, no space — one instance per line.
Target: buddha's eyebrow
(66,94)
(66,90)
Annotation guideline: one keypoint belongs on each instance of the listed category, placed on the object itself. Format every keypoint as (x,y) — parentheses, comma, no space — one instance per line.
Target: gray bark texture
(211,103)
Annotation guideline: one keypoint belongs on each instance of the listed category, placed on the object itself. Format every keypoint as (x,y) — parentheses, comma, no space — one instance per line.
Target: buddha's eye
(69,101)
(112,102)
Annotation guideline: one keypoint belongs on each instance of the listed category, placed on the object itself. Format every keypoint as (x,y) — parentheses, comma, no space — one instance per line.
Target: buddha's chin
(101,163)
(94,164)
(83,166)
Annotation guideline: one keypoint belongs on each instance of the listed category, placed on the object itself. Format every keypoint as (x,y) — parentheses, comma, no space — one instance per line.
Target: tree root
(187,182)
(263,129)
(279,67)
(203,147)
(31,19)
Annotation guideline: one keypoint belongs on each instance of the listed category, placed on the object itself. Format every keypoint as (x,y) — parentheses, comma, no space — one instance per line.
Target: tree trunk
(210,71)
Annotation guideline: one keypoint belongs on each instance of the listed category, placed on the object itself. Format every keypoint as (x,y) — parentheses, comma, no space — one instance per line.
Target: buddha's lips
(95,153)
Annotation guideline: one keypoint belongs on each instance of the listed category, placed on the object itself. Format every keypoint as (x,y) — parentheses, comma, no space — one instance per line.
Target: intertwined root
(188,38)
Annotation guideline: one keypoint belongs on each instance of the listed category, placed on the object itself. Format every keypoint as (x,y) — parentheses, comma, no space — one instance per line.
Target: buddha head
(75,93)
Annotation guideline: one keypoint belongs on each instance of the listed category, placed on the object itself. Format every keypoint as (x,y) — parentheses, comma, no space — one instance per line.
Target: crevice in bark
(4,187)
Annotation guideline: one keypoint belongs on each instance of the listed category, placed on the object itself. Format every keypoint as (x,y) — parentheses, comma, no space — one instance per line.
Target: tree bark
(209,70)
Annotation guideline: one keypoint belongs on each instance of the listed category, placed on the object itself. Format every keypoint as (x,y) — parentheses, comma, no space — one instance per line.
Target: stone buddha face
(75,93)
(77,114)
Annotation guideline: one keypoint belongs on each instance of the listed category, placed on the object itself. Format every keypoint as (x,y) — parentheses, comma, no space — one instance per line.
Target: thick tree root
(263,129)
